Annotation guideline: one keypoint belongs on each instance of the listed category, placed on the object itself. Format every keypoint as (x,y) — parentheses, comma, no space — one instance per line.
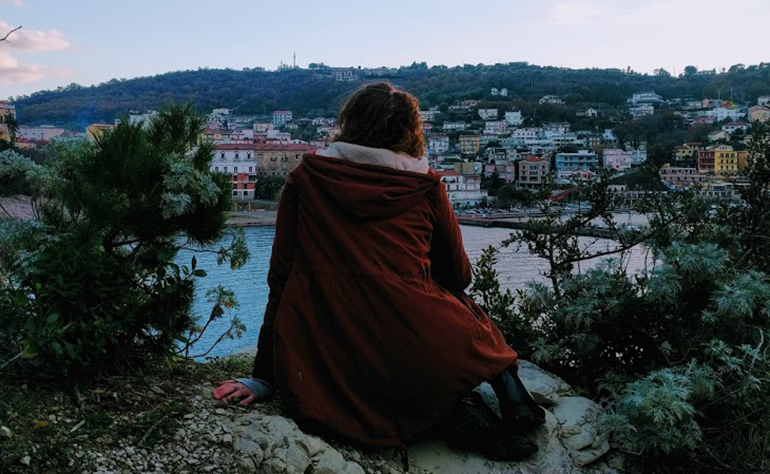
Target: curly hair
(378,115)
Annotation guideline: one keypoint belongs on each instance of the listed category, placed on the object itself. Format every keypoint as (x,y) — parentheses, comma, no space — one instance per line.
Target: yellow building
(470,144)
(728,162)
(96,130)
(6,110)
(687,151)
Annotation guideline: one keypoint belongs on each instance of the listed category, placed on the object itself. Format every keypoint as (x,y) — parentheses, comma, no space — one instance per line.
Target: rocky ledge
(219,438)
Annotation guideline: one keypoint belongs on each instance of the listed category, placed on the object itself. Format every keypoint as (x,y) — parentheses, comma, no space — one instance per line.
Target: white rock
(5,432)
(330,462)
(353,468)
(26,460)
(312,444)
(296,457)
(545,388)
(246,466)
(581,431)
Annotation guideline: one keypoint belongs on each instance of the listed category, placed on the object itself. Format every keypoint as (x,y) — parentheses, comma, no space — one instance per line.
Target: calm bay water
(516,268)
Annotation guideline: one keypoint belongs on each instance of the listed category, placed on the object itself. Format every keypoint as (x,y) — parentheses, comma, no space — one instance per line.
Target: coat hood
(367,190)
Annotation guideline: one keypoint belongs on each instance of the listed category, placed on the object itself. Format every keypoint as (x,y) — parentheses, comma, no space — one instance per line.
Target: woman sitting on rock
(367,332)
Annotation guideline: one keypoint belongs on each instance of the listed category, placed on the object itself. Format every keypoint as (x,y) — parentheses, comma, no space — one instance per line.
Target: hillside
(253,91)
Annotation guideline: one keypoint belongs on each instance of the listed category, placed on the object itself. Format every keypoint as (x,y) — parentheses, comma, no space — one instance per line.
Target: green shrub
(92,285)
(679,352)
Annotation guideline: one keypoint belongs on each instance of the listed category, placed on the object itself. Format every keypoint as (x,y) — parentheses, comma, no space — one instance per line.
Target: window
(222,155)
(235,169)
(225,169)
(236,155)
(248,155)
(251,169)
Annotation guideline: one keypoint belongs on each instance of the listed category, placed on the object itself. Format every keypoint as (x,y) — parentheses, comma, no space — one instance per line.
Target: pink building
(533,171)
(616,159)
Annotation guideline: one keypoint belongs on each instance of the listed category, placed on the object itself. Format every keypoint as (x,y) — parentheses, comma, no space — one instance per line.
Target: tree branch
(5,38)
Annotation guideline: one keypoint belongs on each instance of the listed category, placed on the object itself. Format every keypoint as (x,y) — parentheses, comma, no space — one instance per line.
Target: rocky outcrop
(261,439)
(572,441)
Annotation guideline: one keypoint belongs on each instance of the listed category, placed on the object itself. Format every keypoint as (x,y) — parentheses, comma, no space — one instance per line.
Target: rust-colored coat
(367,331)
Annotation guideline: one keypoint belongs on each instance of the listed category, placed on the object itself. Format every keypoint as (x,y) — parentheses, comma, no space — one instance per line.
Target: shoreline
(244,219)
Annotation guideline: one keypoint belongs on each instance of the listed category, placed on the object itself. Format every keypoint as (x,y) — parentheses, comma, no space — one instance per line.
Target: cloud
(13,71)
(18,3)
(34,40)
(574,13)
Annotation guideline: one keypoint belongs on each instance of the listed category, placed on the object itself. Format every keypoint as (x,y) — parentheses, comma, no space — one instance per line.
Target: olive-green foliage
(680,352)
(92,285)
(253,91)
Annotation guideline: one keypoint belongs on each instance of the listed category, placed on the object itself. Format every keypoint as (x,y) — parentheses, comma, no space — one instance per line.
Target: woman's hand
(246,392)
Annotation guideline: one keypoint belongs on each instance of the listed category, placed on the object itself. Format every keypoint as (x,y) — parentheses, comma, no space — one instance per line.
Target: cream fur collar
(375,156)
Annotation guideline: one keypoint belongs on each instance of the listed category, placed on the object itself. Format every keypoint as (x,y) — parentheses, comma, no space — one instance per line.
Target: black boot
(521,413)
(474,427)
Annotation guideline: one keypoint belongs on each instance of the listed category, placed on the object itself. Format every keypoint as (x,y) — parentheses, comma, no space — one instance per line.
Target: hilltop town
(477,148)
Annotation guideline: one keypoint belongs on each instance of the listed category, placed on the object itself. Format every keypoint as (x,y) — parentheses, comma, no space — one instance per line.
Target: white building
(723,113)
(645,98)
(530,133)
(145,118)
(609,135)
(764,101)
(438,144)
(324,122)
(514,118)
(240,162)
(551,128)
(488,114)
(454,126)
(463,190)
(551,99)
(427,116)
(495,127)
(591,113)
(641,110)
(732,127)
(42,133)
(282,117)
(344,74)
(638,156)
(501,92)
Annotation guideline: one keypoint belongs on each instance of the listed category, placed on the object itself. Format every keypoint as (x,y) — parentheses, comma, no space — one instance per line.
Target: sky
(93,41)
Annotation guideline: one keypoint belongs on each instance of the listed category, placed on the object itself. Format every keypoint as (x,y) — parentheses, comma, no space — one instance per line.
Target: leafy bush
(678,352)
(92,285)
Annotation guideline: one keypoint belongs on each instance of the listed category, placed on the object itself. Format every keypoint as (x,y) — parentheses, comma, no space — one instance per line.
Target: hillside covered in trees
(315,92)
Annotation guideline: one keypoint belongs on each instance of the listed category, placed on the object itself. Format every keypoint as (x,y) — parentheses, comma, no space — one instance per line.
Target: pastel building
(463,190)
(533,172)
(514,118)
(469,144)
(282,117)
(488,114)
(239,162)
(438,144)
(681,176)
(617,159)
(729,162)
(583,160)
